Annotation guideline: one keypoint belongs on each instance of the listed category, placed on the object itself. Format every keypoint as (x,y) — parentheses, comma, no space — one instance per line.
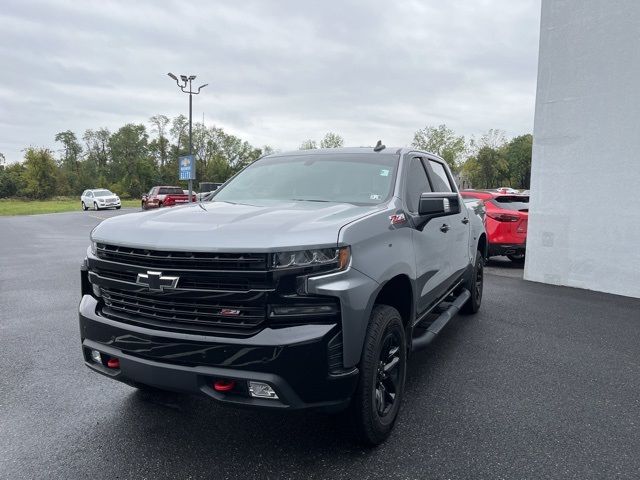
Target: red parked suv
(165,197)
(506,221)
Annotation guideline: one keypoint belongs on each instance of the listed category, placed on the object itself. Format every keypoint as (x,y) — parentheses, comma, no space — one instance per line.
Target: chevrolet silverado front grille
(209,293)
(181,312)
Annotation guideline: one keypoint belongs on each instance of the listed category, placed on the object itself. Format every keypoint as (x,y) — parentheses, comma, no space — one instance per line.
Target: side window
(417,183)
(440,179)
(90,194)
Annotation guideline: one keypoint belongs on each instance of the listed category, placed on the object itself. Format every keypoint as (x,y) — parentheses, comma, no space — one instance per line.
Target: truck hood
(227,227)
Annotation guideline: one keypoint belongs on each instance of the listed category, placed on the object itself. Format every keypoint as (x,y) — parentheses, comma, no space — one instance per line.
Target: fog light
(96,357)
(261,390)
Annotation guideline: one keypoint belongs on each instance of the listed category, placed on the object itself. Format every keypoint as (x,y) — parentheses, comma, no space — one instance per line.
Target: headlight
(339,257)
(94,248)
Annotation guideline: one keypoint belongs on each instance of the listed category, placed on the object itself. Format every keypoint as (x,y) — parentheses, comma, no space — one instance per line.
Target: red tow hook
(223,385)
(113,363)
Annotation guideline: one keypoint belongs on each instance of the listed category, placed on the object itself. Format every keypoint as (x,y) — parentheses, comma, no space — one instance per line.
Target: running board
(434,329)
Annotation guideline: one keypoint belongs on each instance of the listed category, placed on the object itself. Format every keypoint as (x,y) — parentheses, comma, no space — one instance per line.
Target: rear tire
(518,258)
(383,367)
(475,285)
(84,207)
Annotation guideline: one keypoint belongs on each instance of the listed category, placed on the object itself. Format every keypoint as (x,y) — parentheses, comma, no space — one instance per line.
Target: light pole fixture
(182,84)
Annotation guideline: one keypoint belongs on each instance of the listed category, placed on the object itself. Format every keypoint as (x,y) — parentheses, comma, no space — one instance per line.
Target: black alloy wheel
(388,377)
(378,396)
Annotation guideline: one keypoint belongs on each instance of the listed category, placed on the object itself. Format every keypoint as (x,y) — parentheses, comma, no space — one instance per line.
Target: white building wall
(584,223)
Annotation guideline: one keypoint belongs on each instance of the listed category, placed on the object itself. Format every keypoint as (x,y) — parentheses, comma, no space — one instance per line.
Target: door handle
(465,220)
(444,228)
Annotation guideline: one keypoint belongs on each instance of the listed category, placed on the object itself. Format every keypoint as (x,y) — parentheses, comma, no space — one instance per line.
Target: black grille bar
(182,260)
(191,311)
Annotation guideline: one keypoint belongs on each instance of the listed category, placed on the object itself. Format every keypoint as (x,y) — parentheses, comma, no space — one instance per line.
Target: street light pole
(188,79)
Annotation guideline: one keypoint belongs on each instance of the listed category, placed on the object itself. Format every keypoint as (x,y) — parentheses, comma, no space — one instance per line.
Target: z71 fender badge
(397,218)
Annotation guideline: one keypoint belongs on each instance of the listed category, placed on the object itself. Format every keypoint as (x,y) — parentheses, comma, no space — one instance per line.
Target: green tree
(443,142)
(40,174)
(308,145)
(131,167)
(160,146)
(11,179)
(69,173)
(332,140)
(487,169)
(518,155)
(179,131)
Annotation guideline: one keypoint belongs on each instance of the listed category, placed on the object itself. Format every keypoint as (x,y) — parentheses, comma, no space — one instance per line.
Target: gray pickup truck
(304,282)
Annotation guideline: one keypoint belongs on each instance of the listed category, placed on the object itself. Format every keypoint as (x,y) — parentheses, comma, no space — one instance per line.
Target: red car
(506,222)
(165,197)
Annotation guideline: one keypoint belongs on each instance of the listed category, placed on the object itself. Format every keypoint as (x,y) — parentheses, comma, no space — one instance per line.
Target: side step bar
(438,324)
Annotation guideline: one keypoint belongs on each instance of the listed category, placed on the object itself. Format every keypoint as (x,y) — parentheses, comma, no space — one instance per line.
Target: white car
(99,198)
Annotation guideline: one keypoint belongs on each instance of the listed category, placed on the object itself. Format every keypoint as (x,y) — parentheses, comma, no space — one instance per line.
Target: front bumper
(292,360)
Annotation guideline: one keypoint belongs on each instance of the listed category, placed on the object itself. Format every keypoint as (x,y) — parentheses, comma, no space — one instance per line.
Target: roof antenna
(379,146)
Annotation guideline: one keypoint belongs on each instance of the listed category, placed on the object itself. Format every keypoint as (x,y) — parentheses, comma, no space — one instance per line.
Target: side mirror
(434,205)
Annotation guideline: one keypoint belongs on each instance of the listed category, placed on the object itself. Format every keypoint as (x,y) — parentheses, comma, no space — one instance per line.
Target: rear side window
(171,191)
(440,180)
(518,203)
(417,183)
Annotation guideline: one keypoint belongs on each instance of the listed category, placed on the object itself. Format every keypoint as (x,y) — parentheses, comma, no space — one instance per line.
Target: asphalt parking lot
(543,383)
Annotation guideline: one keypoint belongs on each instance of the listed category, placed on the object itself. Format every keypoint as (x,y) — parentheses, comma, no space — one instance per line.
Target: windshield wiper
(309,200)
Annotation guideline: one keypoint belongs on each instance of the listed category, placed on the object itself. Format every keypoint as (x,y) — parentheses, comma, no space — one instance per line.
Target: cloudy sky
(279,72)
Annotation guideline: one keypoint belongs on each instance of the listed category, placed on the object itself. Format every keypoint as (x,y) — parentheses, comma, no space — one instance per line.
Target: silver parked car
(304,282)
(99,198)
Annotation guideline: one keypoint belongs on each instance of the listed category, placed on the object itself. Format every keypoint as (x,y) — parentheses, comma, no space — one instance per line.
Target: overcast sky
(279,72)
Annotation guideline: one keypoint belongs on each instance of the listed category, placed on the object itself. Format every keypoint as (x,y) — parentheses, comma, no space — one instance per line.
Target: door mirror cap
(438,204)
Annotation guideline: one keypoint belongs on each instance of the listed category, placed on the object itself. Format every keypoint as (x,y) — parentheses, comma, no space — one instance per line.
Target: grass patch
(11,206)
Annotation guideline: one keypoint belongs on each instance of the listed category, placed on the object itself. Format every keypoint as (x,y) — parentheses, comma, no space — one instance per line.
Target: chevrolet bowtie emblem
(156,281)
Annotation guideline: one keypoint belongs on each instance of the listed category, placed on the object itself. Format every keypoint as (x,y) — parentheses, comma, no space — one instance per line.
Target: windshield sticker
(373,196)
(397,218)
(384,172)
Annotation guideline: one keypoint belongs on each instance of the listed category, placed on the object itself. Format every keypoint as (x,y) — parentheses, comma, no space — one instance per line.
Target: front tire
(95,206)
(475,285)
(383,367)
(118,207)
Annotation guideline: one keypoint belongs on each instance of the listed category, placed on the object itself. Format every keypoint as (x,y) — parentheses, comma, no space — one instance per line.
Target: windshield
(361,179)
(102,193)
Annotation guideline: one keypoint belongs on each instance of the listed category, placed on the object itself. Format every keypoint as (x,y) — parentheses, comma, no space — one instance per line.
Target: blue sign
(186,167)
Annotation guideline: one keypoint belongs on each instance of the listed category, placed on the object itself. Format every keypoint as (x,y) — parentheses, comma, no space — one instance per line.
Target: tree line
(136,156)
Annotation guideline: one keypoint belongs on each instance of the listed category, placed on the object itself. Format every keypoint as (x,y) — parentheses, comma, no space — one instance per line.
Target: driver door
(429,243)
